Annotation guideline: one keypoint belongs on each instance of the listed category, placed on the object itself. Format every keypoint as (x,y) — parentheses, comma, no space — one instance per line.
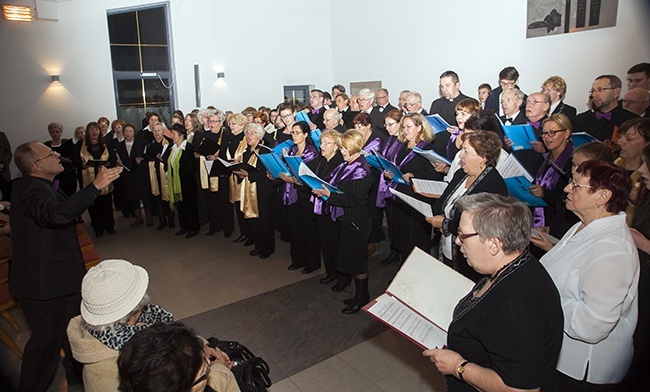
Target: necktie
(600,116)
(314,111)
(510,120)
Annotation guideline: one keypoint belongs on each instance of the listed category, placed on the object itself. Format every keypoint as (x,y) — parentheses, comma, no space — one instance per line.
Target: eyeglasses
(600,89)
(507,83)
(552,133)
(214,121)
(363,99)
(462,237)
(575,185)
(52,153)
(382,97)
(286,115)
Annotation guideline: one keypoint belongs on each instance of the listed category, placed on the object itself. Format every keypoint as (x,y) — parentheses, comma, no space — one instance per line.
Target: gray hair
(216,112)
(54,125)
(502,217)
(415,94)
(111,327)
(334,114)
(366,92)
(257,128)
(515,91)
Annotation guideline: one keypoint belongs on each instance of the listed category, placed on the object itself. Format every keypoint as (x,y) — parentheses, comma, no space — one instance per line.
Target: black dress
(68,178)
(101,211)
(261,228)
(411,228)
(328,230)
(489,181)
(515,328)
(355,223)
(188,212)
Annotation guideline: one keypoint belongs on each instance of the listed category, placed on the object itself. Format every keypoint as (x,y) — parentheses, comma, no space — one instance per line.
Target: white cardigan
(596,272)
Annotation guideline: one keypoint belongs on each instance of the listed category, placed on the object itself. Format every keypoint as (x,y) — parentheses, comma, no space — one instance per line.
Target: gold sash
(208,182)
(248,194)
(158,180)
(235,186)
(88,174)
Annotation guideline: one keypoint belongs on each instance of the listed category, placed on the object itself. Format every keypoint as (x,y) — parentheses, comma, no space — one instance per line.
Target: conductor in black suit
(47,267)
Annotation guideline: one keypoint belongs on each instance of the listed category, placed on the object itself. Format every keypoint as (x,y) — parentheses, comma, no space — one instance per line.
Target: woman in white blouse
(596,269)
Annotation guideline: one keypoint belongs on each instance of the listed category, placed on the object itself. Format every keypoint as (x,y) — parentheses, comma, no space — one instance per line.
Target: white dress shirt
(596,272)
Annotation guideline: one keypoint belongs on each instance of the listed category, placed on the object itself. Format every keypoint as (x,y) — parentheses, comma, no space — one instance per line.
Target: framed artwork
(552,17)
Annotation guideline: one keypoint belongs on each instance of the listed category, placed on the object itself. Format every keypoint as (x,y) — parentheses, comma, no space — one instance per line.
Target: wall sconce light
(18,13)
(221,75)
(56,79)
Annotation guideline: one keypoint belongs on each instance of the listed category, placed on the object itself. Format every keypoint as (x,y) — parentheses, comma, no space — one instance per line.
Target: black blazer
(188,166)
(568,111)
(47,262)
(491,183)
(137,150)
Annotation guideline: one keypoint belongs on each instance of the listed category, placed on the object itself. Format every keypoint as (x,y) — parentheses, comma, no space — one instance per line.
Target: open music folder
(420,301)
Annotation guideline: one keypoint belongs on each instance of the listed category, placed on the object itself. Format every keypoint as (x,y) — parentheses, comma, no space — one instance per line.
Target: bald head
(331,118)
(637,101)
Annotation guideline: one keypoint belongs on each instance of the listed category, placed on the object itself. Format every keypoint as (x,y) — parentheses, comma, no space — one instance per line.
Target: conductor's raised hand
(106,176)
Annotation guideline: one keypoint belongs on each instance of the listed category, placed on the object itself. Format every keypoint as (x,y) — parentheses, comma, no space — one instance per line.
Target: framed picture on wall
(552,17)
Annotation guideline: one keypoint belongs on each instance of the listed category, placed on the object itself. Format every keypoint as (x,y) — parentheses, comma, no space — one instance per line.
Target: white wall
(409,44)
(263,45)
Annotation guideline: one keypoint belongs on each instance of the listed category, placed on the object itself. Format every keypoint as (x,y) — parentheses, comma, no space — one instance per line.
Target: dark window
(139,42)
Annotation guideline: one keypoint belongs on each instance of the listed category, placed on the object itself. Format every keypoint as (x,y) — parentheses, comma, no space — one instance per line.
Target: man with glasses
(637,101)
(413,103)
(315,114)
(445,106)
(332,120)
(383,101)
(366,100)
(48,266)
(607,115)
(508,78)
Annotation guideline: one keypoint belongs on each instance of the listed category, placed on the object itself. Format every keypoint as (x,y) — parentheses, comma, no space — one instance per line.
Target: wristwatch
(461,370)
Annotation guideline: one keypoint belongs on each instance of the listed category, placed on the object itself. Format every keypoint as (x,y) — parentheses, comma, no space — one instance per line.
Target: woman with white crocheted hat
(114,307)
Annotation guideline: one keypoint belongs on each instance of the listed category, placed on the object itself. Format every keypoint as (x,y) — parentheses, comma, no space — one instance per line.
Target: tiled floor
(289,319)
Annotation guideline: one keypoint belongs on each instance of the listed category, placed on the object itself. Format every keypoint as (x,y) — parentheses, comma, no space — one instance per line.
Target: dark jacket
(47,262)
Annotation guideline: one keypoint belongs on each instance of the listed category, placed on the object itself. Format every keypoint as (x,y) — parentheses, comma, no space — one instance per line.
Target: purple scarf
(383,190)
(547,177)
(349,172)
(389,151)
(318,202)
(290,195)
(373,144)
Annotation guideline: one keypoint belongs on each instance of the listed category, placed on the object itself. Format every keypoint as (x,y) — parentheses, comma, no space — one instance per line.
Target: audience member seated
(114,307)
(171,358)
